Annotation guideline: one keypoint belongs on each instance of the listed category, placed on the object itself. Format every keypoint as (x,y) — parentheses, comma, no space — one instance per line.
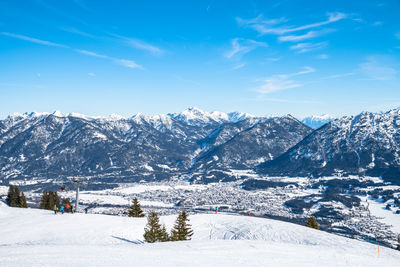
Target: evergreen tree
(181,230)
(44,200)
(22,201)
(153,231)
(164,236)
(312,223)
(15,198)
(50,203)
(10,196)
(135,210)
(49,199)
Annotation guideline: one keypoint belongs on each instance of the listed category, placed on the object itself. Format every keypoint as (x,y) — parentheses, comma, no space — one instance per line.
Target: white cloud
(91,74)
(242,46)
(127,63)
(336,76)
(90,53)
(76,31)
(139,44)
(32,40)
(123,62)
(281,100)
(274,59)
(323,56)
(239,66)
(308,35)
(377,23)
(307,47)
(144,46)
(397,35)
(378,68)
(267,26)
(281,82)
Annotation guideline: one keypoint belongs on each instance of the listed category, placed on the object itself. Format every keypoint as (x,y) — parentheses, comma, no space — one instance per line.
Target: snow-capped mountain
(316,121)
(146,147)
(366,144)
(247,143)
(198,117)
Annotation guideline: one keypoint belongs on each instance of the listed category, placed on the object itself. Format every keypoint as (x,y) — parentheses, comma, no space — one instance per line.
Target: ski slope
(30,237)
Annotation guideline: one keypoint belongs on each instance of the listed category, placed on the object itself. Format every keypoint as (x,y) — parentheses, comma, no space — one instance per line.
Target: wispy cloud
(308,35)
(263,26)
(378,68)
(242,46)
(32,40)
(337,76)
(90,53)
(138,44)
(127,63)
(281,82)
(91,74)
(123,62)
(377,23)
(239,66)
(397,35)
(323,56)
(76,31)
(144,46)
(282,100)
(307,47)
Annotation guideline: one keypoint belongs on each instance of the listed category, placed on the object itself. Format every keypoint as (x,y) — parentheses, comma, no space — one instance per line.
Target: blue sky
(261,57)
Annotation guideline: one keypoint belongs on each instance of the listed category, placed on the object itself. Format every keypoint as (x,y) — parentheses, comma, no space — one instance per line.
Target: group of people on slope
(63,208)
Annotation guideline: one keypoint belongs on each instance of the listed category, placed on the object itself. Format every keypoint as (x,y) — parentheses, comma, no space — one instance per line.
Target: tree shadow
(136,242)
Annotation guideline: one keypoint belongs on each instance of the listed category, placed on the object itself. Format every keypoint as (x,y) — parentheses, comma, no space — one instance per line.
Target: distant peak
(58,113)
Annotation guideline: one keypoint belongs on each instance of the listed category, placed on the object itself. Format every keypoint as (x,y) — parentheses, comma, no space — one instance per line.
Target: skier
(67,207)
(86,210)
(55,209)
(72,209)
(62,209)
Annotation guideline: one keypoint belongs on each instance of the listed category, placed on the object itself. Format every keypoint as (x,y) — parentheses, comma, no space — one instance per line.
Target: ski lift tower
(77,180)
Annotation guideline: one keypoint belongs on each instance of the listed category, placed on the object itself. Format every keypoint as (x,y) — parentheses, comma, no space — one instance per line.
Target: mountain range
(51,145)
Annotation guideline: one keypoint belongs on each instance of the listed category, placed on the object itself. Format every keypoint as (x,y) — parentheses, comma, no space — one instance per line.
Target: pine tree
(16,197)
(50,204)
(10,196)
(164,236)
(49,199)
(135,210)
(181,230)
(152,231)
(312,223)
(22,201)
(44,200)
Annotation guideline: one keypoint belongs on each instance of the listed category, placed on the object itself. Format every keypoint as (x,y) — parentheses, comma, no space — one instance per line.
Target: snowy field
(30,237)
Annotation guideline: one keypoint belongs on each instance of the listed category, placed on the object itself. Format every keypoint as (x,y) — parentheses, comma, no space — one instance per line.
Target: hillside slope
(39,238)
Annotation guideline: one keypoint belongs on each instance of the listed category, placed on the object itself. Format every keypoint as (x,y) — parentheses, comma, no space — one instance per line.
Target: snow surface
(32,237)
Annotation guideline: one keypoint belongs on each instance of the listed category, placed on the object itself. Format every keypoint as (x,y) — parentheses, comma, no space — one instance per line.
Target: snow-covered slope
(366,144)
(316,121)
(40,238)
(198,117)
(250,143)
